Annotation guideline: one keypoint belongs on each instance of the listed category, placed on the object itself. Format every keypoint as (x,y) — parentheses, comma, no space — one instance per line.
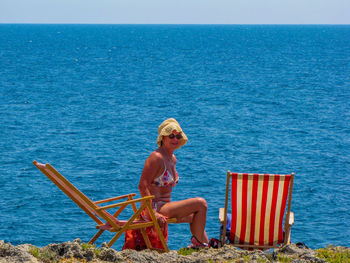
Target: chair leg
(110,243)
(146,239)
(125,227)
(95,237)
(287,236)
(159,231)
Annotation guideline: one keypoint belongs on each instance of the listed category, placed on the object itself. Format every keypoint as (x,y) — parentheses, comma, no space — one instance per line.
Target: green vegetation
(72,260)
(219,261)
(186,251)
(283,259)
(86,246)
(334,254)
(247,258)
(44,256)
(35,251)
(262,260)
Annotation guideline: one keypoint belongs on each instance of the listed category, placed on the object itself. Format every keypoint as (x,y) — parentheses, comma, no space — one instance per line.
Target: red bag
(134,239)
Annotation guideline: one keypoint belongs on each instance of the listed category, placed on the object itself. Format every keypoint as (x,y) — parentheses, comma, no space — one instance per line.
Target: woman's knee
(202,203)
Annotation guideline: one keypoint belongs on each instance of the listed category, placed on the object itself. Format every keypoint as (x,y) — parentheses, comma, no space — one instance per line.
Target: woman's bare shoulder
(155,158)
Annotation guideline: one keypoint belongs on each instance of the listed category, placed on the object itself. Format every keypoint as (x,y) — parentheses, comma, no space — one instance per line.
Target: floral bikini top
(166,179)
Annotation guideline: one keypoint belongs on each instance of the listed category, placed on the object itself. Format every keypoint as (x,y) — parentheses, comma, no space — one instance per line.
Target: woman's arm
(152,169)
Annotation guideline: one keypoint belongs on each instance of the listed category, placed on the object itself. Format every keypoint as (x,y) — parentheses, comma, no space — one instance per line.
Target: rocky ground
(79,252)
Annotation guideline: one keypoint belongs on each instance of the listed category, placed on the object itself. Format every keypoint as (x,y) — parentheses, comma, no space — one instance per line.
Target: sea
(88,99)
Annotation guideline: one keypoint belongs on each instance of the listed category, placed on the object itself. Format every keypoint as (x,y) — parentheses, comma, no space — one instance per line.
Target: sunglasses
(178,136)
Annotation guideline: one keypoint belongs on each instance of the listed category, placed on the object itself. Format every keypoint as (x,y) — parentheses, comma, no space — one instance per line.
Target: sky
(175,11)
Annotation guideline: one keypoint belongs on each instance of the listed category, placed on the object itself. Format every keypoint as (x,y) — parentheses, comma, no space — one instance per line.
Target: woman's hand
(160,219)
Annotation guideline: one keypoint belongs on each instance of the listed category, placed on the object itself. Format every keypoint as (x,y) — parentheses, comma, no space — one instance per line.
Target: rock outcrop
(85,253)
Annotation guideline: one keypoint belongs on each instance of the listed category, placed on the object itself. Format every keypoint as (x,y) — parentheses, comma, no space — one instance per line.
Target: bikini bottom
(158,204)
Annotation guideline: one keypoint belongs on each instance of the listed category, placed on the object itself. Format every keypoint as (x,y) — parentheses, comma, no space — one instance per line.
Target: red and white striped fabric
(258,205)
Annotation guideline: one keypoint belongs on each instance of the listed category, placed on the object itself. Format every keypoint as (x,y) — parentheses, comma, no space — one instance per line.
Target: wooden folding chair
(99,213)
(258,204)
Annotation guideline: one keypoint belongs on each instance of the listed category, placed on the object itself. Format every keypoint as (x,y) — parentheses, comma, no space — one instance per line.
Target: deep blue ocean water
(89,99)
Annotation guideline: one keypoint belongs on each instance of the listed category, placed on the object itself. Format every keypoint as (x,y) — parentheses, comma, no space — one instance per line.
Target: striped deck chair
(258,204)
(99,213)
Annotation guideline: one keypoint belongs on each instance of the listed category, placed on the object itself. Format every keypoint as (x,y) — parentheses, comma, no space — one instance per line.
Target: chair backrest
(78,197)
(258,203)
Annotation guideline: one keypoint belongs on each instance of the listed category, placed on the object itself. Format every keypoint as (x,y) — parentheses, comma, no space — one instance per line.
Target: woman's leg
(195,209)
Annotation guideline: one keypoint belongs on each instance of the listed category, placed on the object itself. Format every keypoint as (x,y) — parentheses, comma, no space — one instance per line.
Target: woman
(158,178)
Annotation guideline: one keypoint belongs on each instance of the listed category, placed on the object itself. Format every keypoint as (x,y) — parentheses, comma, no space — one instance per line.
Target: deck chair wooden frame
(259,216)
(99,213)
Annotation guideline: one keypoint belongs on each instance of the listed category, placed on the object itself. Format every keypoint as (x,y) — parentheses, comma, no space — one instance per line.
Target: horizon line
(238,24)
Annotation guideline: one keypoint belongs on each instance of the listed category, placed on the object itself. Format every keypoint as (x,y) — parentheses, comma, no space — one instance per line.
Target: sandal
(196,244)
(214,243)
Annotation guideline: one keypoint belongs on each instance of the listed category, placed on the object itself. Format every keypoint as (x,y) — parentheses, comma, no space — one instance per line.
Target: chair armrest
(221,214)
(126,202)
(114,198)
(172,220)
(291,219)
